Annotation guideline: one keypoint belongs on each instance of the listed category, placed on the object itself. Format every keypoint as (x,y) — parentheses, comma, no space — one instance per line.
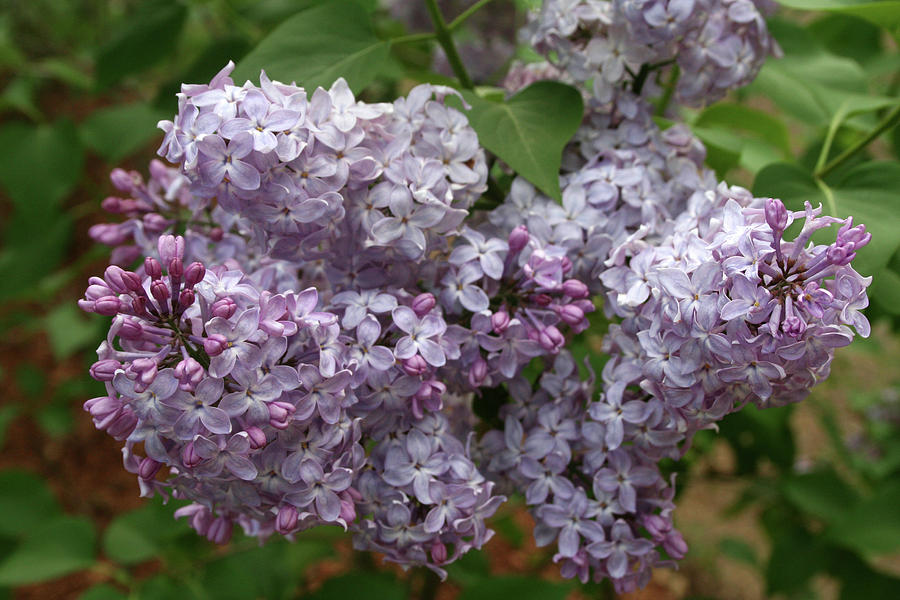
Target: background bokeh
(799,502)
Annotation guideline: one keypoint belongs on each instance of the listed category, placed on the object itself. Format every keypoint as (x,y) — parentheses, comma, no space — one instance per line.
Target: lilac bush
(320,308)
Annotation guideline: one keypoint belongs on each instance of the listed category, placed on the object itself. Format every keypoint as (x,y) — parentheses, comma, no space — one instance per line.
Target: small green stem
(413,38)
(829,196)
(446,41)
(464,16)
(891,119)
(669,91)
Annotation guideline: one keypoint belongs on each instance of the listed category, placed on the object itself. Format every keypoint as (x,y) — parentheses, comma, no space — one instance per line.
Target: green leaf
(750,121)
(102,592)
(8,414)
(738,550)
(40,165)
(848,36)
(361,585)
(119,131)
(820,493)
(884,13)
(70,330)
(138,535)
(318,45)
(163,587)
(520,588)
(60,546)
(871,527)
(470,570)
(529,131)
(796,557)
(25,502)
(202,69)
(146,37)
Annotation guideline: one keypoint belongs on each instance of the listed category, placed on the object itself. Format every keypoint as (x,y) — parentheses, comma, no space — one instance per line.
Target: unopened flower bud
(105,370)
(438,552)
(122,180)
(219,530)
(542,299)
(776,214)
(518,239)
(415,366)
(152,268)
(108,306)
(223,307)
(113,276)
(286,521)
(155,222)
(170,247)
(186,298)
(423,303)
(216,234)
(551,339)
(571,314)
(477,372)
(500,321)
(190,457)
(109,234)
(280,414)
(575,289)
(131,330)
(148,468)
(194,274)
(159,289)
(257,437)
(215,344)
(111,204)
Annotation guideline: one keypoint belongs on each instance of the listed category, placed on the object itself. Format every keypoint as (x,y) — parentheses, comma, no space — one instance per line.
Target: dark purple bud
(478,372)
(415,366)
(585,305)
(257,437)
(186,298)
(280,414)
(105,370)
(848,234)
(286,521)
(423,303)
(189,373)
(152,268)
(190,457)
(103,408)
(194,274)
(518,239)
(223,307)
(131,330)
(500,321)
(657,526)
(575,289)
(840,255)
(149,468)
(219,530)
(353,494)
(215,344)
(108,306)
(123,424)
(438,552)
(159,289)
(112,204)
(144,369)
(132,281)
(776,214)
(542,299)
(176,269)
(158,169)
(566,264)
(139,305)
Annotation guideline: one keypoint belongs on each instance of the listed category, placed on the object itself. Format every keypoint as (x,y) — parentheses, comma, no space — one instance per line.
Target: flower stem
(669,92)
(446,41)
(464,16)
(891,119)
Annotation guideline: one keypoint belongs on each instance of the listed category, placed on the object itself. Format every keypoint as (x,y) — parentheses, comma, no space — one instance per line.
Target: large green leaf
(39,166)
(25,502)
(318,45)
(146,37)
(884,13)
(361,585)
(820,493)
(138,535)
(528,131)
(872,526)
(118,131)
(59,546)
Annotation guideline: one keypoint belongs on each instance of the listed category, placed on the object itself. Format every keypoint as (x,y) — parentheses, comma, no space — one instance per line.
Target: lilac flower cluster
(718,45)
(352,401)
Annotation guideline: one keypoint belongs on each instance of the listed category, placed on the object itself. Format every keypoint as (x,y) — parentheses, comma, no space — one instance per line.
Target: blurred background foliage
(802,502)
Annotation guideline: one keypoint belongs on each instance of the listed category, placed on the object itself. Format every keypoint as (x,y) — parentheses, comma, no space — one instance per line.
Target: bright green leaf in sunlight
(147,36)
(25,502)
(57,547)
(529,131)
(884,13)
(119,131)
(318,45)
